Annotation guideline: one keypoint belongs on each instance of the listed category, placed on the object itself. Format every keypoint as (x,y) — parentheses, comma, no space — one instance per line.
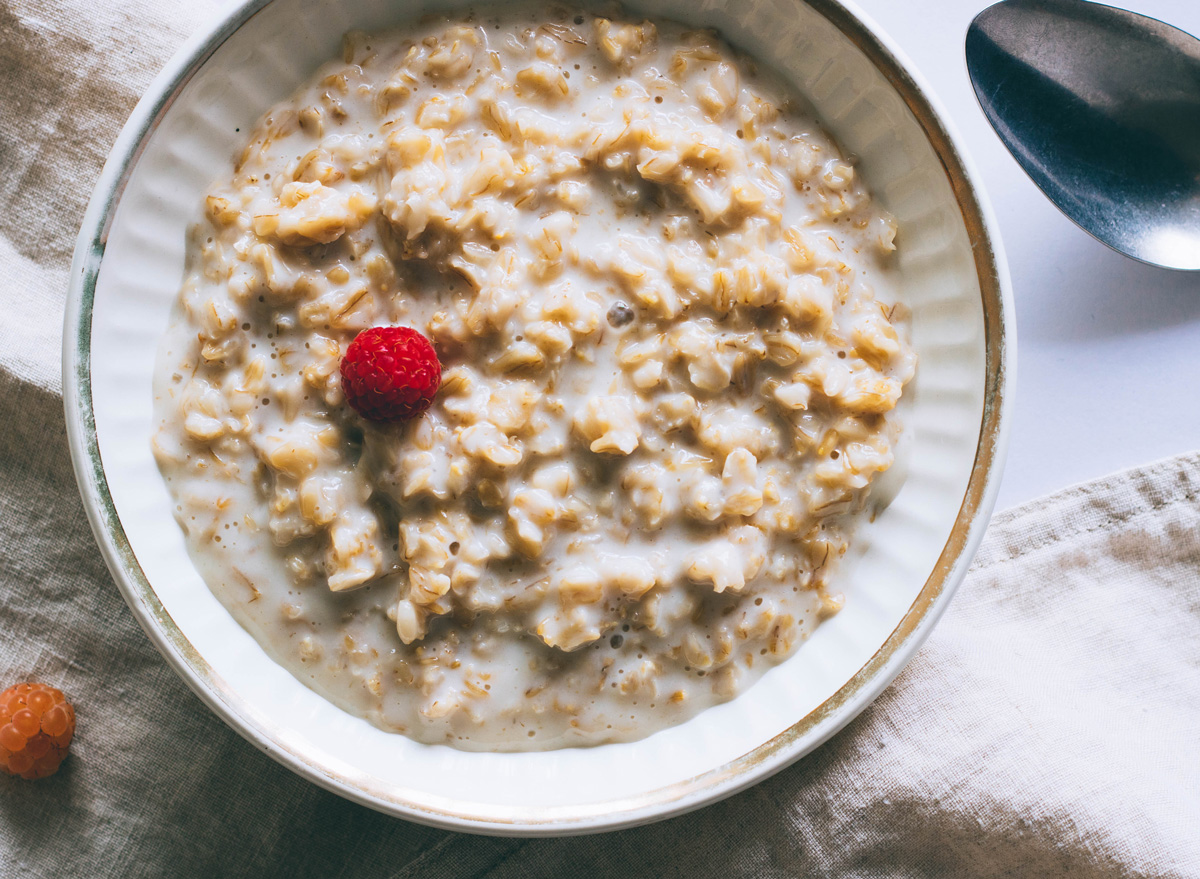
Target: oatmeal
(670,361)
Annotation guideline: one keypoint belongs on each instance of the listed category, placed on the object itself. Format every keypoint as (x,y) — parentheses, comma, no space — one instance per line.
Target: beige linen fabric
(1050,727)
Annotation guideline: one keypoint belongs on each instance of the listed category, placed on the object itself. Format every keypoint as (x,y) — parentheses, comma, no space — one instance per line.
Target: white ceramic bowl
(127,272)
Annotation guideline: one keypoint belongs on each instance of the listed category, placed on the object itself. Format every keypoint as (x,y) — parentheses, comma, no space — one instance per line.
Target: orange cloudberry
(36,726)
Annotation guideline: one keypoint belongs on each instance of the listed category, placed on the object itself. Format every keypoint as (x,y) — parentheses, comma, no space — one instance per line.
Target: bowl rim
(769,757)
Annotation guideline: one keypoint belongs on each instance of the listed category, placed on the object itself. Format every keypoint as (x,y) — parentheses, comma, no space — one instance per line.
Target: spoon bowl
(1101,108)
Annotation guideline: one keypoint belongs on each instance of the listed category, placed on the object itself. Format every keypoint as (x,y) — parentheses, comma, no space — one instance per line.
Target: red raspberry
(390,374)
(36,726)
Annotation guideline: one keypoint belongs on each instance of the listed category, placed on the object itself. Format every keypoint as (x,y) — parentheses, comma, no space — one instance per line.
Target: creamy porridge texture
(660,297)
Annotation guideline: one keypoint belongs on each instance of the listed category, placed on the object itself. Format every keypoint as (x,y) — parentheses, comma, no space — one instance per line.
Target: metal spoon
(1101,107)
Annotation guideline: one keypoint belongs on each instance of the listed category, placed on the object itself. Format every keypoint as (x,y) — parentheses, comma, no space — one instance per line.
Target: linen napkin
(1050,726)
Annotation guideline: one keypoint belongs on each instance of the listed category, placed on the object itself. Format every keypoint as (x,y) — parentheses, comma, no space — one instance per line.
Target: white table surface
(1108,350)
